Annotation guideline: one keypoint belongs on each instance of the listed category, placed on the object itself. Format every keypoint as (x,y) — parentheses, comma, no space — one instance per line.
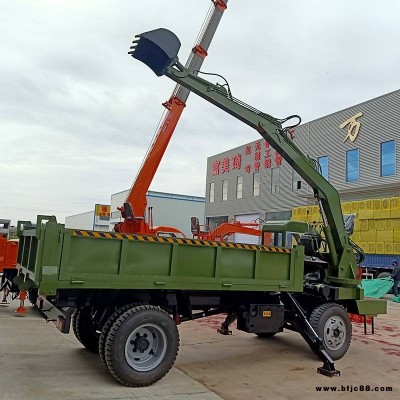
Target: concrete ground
(243,366)
(39,363)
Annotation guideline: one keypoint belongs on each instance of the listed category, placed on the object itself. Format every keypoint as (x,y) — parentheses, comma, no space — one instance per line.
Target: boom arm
(135,204)
(343,265)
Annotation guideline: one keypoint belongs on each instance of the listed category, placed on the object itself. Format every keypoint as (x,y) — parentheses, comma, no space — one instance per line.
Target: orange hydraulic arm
(222,231)
(134,209)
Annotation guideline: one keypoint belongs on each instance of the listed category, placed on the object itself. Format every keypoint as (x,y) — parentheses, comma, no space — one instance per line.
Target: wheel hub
(145,347)
(334,333)
(141,343)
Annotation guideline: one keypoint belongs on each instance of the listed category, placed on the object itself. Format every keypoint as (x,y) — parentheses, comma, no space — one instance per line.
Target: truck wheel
(107,326)
(141,346)
(333,326)
(85,330)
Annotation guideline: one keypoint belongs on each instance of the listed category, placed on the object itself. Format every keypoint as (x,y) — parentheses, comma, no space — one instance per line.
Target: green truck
(125,294)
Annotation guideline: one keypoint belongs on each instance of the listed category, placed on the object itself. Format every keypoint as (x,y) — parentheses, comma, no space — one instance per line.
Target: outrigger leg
(230,318)
(301,325)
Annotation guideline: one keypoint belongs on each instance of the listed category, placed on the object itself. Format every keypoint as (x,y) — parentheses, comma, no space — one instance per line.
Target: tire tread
(107,326)
(82,330)
(111,339)
(316,316)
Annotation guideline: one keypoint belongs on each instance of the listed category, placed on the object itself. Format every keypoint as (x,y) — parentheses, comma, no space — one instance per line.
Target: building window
(296,180)
(352,166)
(323,165)
(388,158)
(239,187)
(278,215)
(225,190)
(256,184)
(275,180)
(211,194)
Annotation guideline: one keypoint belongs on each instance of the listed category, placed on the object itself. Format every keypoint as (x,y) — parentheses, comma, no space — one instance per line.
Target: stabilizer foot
(224,331)
(328,369)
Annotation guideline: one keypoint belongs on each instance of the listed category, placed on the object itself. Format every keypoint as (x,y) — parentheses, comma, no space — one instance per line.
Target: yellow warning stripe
(160,239)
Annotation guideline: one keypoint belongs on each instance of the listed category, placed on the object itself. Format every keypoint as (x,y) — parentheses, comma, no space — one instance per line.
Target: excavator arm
(158,49)
(134,209)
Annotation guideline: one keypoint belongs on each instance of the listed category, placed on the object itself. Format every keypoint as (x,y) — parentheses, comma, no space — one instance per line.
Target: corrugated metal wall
(380,122)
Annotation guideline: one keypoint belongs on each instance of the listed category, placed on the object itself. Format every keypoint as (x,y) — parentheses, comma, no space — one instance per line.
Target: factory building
(357,150)
(168,209)
(96,220)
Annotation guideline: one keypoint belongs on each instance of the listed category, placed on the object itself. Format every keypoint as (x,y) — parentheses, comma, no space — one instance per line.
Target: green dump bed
(57,258)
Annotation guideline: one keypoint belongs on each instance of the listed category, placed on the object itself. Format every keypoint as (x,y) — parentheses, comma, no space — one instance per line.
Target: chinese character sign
(102,210)
(278,159)
(253,157)
(237,161)
(225,165)
(215,167)
(267,155)
(353,127)
(101,213)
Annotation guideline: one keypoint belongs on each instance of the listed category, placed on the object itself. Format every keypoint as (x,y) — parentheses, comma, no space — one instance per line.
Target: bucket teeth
(133,47)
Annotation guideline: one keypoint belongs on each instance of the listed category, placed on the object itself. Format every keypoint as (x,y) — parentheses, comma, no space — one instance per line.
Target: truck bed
(58,258)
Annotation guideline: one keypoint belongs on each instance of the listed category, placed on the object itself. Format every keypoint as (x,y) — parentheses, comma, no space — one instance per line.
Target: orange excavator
(133,210)
(222,232)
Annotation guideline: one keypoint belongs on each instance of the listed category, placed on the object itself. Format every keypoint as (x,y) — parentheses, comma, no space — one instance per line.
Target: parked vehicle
(125,294)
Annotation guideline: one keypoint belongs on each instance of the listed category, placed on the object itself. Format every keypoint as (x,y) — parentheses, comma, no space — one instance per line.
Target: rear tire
(107,326)
(141,346)
(332,324)
(85,330)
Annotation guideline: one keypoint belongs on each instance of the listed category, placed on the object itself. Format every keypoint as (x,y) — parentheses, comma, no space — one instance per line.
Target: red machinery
(8,248)
(224,230)
(134,209)
(8,253)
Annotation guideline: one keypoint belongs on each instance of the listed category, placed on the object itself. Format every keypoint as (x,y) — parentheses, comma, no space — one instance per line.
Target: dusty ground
(244,366)
(39,363)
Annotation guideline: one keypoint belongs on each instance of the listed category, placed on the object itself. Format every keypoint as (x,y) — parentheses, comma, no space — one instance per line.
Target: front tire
(332,324)
(141,346)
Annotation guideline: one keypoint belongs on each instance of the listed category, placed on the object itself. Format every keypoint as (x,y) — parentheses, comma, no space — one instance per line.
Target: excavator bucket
(157,49)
